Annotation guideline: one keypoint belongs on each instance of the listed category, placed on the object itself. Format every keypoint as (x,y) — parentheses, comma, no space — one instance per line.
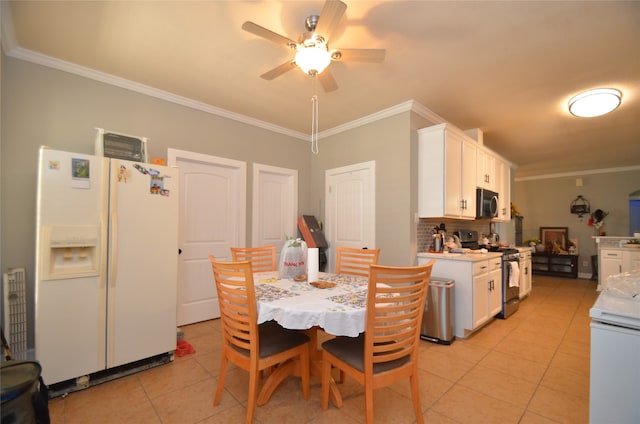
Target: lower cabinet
(630,260)
(616,261)
(477,290)
(487,291)
(525,273)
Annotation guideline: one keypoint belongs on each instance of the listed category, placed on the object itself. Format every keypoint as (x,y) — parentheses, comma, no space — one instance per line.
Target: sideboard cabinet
(556,265)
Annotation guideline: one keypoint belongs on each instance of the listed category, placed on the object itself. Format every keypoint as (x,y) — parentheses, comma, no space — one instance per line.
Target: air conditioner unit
(121,146)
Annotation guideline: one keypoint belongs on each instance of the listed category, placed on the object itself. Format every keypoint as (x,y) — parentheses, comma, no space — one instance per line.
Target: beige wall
(387,142)
(43,106)
(546,203)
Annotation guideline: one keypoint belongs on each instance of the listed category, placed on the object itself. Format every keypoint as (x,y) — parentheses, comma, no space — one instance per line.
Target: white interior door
(350,208)
(275,205)
(212,220)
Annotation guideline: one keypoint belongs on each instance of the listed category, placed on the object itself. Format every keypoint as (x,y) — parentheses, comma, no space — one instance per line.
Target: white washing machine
(615,359)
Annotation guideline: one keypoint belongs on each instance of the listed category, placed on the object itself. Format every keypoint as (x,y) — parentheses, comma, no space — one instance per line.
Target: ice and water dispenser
(70,251)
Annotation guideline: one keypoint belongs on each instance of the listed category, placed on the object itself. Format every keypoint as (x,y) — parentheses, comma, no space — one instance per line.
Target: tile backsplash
(426,225)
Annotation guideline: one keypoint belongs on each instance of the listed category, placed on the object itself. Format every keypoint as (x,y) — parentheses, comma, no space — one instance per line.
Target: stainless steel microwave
(486,204)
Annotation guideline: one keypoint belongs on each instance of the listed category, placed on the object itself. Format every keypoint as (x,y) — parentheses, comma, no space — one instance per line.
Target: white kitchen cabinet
(446,173)
(477,290)
(487,291)
(480,293)
(525,273)
(610,263)
(487,171)
(504,191)
(494,284)
(630,260)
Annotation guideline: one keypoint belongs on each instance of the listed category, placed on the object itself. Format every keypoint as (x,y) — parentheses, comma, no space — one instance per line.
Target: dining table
(335,303)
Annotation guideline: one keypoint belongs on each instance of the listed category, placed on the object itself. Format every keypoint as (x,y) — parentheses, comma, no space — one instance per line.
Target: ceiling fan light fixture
(313,60)
(595,102)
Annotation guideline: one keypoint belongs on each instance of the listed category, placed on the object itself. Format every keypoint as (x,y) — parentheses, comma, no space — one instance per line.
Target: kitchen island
(477,290)
(616,255)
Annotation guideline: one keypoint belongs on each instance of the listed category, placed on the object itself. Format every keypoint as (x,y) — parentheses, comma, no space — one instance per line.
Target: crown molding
(408,106)
(579,173)
(72,68)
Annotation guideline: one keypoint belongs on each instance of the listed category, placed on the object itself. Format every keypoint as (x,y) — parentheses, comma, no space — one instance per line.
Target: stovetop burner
(469,240)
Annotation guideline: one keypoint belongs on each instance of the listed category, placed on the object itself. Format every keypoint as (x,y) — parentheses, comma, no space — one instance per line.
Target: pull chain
(314,124)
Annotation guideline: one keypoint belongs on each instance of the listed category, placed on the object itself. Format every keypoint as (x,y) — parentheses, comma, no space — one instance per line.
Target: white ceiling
(508,68)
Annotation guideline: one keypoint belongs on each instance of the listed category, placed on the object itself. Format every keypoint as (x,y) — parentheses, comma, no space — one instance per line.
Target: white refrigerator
(106,263)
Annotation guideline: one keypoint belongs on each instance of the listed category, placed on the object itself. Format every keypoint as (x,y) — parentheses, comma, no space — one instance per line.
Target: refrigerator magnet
(123,174)
(80,173)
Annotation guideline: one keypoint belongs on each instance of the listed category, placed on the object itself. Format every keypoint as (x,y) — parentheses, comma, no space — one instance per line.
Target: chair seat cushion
(351,351)
(273,338)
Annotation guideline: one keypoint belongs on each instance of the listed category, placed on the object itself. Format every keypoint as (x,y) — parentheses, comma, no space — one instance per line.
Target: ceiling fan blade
(279,70)
(267,34)
(359,55)
(330,18)
(328,81)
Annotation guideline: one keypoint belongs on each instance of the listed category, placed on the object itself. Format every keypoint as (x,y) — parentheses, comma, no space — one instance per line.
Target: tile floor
(530,368)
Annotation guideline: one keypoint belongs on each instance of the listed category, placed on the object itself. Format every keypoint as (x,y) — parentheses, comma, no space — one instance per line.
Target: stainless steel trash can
(437,321)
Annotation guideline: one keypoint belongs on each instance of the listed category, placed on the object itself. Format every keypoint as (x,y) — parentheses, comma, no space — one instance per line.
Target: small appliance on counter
(439,235)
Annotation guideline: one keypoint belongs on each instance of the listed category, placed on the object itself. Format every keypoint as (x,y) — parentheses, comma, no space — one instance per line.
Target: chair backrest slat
(237,300)
(262,258)
(395,305)
(352,261)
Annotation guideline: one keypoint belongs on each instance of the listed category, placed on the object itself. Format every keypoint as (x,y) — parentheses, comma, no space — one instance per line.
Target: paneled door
(212,220)
(350,208)
(275,205)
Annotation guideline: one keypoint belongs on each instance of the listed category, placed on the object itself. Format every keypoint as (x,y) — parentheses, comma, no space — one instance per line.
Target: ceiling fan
(313,54)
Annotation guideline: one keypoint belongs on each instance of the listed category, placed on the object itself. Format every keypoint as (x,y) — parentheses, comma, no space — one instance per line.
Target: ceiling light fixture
(312,56)
(594,102)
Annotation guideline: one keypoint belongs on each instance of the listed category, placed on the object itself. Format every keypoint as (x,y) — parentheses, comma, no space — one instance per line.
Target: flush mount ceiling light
(594,102)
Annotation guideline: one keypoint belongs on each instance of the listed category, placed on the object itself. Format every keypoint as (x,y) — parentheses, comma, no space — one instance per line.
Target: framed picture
(555,239)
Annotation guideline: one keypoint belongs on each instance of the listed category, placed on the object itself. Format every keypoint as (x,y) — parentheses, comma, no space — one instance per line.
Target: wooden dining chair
(387,351)
(262,258)
(354,261)
(248,345)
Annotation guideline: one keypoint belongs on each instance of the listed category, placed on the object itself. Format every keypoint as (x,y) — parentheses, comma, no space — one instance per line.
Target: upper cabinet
(504,190)
(487,171)
(451,165)
(446,173)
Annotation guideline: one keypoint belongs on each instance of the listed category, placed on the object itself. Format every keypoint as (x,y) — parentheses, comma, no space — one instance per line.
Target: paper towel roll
(312,264)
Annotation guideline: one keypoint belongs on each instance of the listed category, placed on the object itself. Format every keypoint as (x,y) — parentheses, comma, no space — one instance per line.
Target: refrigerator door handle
(113,260)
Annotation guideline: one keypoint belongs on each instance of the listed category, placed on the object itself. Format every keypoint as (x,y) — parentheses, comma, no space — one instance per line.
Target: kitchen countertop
(464,257)
(525,248)
(610,242)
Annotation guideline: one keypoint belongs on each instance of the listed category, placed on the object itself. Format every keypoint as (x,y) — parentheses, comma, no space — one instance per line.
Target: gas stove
(469,240)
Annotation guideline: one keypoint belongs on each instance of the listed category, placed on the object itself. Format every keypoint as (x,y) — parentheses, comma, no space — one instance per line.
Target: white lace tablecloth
(339,310)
